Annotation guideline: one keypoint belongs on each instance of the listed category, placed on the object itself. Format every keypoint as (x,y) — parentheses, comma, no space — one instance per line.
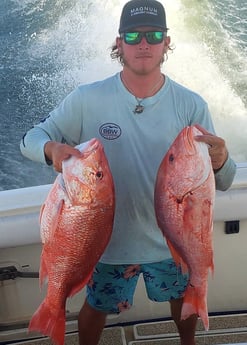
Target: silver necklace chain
(139,108)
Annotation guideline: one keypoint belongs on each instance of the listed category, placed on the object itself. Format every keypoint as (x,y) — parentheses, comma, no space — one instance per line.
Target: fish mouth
(203,171)
(79,176)
(189,140)
(89,146)
(93,145)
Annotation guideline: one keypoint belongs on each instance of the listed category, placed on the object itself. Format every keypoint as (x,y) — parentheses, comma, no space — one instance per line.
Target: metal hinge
(11,272)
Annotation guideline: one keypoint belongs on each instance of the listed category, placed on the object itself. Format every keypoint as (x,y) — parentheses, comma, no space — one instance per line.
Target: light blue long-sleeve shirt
(134,144)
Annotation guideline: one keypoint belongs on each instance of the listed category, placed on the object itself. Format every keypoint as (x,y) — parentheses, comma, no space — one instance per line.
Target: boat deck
(230,329)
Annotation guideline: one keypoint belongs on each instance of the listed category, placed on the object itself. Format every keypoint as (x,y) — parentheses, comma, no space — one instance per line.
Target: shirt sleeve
(63,124)
(32,145)
(224,177)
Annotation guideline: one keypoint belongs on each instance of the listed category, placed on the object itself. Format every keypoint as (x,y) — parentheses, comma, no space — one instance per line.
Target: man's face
(143,57)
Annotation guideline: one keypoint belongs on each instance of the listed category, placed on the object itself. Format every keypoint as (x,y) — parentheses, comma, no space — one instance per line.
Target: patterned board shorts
(111,288)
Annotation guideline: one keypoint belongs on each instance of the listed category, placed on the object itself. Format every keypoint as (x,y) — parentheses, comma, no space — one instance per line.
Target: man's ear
(119,44)
(167,43)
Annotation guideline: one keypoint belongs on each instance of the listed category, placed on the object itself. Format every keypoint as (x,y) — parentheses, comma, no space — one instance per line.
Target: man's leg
(91,323)
(110,289)
(167,274)
(186,328)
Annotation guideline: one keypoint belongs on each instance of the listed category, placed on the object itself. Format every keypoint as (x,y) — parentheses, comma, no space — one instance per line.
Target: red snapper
(76,223)
(184,198)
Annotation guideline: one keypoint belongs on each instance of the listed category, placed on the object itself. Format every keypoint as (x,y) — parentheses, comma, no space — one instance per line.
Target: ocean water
(48,47)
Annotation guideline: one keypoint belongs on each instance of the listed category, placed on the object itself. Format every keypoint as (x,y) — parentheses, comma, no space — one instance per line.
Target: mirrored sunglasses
(152,37)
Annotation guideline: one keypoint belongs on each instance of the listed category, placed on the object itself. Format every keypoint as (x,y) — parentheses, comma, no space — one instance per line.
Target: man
(136,114)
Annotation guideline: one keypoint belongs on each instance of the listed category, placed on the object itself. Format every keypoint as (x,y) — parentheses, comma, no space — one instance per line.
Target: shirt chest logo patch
(110,131)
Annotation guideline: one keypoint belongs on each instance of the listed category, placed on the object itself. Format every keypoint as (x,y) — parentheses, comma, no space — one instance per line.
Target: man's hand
(217,147)
(57,152)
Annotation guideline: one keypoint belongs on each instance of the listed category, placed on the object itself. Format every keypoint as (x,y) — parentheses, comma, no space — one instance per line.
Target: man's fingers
(203,130)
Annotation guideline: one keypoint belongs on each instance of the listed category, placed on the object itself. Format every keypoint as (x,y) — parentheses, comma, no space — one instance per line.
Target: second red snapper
(184,198)
(76,223)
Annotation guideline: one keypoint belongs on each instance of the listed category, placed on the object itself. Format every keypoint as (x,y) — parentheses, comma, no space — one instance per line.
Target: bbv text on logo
(110,131)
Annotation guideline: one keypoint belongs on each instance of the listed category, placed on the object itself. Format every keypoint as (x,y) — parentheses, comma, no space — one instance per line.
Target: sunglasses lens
(132,37)
(154,37)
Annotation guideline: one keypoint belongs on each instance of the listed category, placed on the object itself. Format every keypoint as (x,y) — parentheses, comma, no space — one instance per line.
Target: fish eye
(99,174)
(171,158)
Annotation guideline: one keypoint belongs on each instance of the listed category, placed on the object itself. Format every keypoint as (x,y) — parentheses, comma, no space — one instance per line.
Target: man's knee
(89,311)
(91,323)
(176,307)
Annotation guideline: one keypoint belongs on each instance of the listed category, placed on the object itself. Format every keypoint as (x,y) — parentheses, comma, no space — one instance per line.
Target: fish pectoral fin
(177,258)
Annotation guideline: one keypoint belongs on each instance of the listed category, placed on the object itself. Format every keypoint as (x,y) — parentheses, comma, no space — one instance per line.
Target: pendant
(138,109)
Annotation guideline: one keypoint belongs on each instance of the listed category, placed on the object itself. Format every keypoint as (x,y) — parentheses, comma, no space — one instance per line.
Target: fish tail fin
(49,324)
(195,302)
